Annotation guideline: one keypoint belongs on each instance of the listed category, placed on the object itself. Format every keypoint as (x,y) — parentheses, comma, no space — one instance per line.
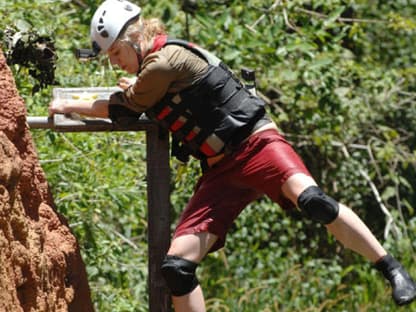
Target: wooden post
(158,189)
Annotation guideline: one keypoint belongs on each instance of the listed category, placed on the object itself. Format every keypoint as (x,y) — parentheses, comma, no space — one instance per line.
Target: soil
(41,268)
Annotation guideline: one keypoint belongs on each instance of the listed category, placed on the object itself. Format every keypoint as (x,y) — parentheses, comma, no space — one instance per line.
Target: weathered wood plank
(158,184)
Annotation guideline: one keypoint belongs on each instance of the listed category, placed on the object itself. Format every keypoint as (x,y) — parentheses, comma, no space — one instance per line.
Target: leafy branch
(27,48)
(340,19)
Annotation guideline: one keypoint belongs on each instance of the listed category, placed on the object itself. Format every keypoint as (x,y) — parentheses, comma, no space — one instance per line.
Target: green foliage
(25,47)
(339,77)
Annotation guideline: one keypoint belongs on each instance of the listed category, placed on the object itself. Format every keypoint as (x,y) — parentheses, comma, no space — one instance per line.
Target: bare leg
(355,235)
(193,248)
(192,302)
(347,228)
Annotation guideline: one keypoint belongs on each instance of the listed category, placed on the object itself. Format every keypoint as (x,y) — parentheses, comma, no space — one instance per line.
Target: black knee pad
(179,275)
(317,205)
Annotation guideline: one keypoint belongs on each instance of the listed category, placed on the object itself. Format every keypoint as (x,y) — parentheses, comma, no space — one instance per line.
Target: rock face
(40,264)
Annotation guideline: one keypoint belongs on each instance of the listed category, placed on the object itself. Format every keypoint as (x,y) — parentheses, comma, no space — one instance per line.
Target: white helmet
(108,22)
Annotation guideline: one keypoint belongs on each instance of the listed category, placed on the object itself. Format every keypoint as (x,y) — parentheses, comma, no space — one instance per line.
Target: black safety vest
(214,114)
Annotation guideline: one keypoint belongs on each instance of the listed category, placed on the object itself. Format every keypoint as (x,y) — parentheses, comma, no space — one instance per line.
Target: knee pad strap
(179,275)
(317,205)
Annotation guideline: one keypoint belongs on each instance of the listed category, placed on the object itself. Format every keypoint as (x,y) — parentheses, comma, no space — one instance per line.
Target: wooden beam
(63,123)
(158,190)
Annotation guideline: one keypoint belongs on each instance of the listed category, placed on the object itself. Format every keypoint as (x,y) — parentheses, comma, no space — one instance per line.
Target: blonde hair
(143,30)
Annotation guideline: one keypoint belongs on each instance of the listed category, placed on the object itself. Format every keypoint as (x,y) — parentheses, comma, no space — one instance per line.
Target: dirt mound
(40,265)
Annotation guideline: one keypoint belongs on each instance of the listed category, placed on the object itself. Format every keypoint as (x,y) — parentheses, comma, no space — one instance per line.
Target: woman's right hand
(57,106)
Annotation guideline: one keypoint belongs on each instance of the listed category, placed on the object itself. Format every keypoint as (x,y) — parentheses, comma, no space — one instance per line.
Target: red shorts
(259,166)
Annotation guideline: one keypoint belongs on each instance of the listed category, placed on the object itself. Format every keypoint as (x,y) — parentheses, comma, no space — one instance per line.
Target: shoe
(404,288)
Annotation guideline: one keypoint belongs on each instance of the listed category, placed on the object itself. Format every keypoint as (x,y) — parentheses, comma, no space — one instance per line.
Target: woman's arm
(96,108)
